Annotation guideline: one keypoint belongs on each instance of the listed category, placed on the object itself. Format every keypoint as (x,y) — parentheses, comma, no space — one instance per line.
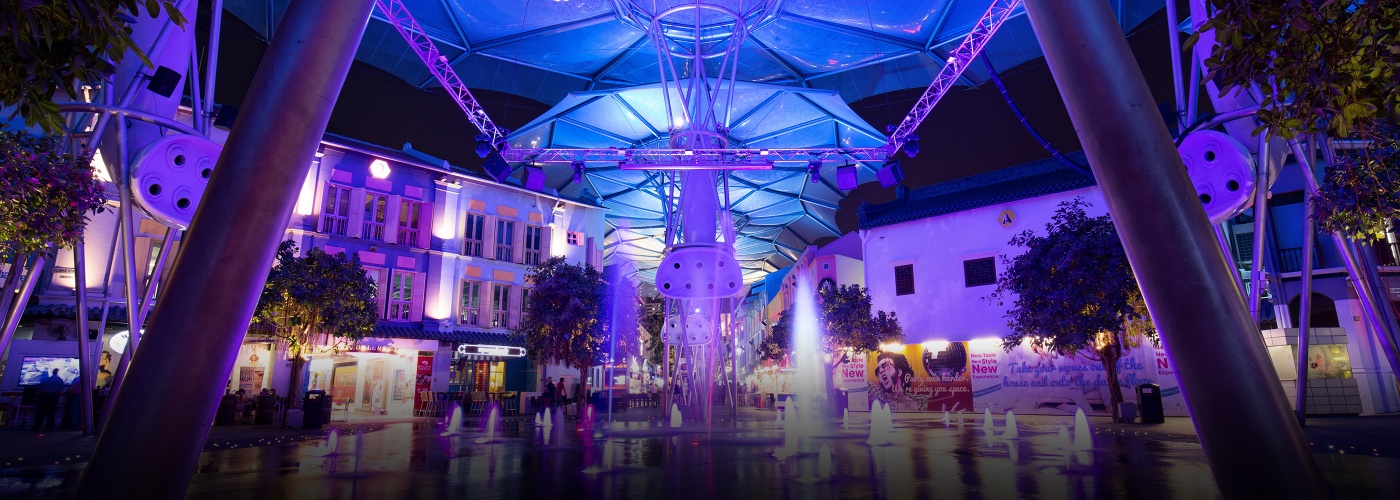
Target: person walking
(548,394)
(559,393)
(50,388)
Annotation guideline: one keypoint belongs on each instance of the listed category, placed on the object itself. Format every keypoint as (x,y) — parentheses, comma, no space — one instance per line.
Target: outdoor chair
(478,403)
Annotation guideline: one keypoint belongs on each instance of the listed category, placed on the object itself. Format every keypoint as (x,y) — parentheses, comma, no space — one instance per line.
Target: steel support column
(1252,441)
(88,375)
(230,247)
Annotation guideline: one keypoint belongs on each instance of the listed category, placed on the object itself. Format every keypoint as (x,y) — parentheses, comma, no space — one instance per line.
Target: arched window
(1322,315)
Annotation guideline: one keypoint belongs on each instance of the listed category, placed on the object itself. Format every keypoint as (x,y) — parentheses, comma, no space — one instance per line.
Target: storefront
(490,368)
(379,377)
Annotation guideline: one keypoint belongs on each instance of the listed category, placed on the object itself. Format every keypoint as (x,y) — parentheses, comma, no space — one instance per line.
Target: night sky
(969,132)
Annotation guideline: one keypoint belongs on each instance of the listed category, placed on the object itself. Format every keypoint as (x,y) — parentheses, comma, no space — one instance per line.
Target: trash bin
(267,409)
(1150,403)
(313,408)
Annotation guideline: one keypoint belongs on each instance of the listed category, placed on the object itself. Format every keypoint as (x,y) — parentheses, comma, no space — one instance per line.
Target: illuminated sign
(491,350)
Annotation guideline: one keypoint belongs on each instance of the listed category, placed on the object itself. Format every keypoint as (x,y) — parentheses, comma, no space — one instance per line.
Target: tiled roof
(417,332)
(1028,180)
(115,313)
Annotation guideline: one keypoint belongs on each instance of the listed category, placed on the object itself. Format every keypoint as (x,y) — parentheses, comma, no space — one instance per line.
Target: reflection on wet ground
(731,460)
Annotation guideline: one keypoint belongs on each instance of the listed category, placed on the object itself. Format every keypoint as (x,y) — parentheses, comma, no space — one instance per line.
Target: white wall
(942,307)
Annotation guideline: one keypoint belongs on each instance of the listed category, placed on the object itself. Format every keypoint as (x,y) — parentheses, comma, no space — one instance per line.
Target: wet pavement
(733,459)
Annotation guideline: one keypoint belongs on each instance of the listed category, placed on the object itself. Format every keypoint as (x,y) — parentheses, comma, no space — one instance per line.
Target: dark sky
(969,132)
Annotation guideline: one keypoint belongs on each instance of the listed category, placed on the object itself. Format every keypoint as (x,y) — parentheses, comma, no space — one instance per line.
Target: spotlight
(223,119)
(496,167)
(889,129)
(846,177)
(483,145)
(164,81)
(578,170)
(814,169)
(911,145)
(891,175)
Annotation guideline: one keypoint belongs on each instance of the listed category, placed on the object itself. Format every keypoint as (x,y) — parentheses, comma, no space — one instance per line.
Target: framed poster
(400,385)
(343,382)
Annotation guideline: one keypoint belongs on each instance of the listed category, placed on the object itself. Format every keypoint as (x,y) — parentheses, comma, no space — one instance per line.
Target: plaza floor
(639,456)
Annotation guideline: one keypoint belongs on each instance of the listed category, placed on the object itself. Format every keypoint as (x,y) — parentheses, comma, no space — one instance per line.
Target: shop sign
(490,350)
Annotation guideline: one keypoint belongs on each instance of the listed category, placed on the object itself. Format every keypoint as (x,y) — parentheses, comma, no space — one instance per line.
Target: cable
(1012,104)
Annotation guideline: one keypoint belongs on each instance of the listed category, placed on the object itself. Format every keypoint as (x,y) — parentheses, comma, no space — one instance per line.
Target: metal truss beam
(715,156)
(617,60)
(397,15)
(958,62)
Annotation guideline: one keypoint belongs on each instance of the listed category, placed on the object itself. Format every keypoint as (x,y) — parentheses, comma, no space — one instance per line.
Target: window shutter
(381,278)
(425,225)
(420,284)
(391,219)
(488,237)
(514,306)
(357,214)
(484,298)
(518,249)
(544,245)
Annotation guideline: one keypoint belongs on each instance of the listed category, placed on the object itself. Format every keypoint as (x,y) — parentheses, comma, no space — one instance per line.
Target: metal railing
(471,248)
(532,257)
(373,231)
(469,317)
(408,236)
(399,309)
(505,253)
(334,224)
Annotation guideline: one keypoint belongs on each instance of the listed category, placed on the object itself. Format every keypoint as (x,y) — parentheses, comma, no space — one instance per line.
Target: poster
(250,379)
(850,375)
(914,378)
(401,385)
(424,378)
(1031,380)
(343,383)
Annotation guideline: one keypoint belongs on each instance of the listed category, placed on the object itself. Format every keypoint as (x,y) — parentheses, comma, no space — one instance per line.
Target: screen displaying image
(34,368)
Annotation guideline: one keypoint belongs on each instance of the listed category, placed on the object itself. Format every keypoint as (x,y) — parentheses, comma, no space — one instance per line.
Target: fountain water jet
(987,424)
(1082,438)
(548,419)
(493,418)
(454,423)
(945,419)
(331,447)
(1012,431)
(675,415)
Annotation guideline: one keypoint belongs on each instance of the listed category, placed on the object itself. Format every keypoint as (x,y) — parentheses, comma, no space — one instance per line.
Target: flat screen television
(34,368)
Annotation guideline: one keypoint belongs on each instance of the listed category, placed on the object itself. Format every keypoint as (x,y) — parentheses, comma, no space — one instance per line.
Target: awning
(417,332)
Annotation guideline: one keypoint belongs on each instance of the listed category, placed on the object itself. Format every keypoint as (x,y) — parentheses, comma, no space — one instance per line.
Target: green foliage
(1073,292)
(569,316)
(1330,65)
(1360,195)
(319,299)
(46,196)
(845,318)
(58,44)
(654,346)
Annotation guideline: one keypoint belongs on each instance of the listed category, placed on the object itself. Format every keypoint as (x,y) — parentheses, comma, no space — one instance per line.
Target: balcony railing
(532,257)
(408,236)
(1387,254)
(472,248)
(469,317)
(499,319)
(334,224)
(373,231)
(399,310)
(505,253)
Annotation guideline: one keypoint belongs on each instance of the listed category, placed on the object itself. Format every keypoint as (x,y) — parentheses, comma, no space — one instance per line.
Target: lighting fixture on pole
(483,145)
(911,145)
(814,170)
(846,179)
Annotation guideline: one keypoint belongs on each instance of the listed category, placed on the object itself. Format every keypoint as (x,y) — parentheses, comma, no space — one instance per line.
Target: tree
(1072,292)
(59,44)
(1322,67)
(568,319)
(654,346)
(46,195)
(845,319)
(319,299)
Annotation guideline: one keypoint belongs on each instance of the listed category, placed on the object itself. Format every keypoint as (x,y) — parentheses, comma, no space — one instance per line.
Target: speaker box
(164,81)
(224,118)
(846,177)
(891,175)
(534,178)
(496,167)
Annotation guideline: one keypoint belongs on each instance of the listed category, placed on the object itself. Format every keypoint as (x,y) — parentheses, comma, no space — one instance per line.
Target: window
(375,207)
(336,215)
(472,238)
(400,296)
(471,304)
(533,235)
(505,240)
(979,272)
(500,305)
(904,279)
(409,215)
(151,278)
(524,302)
(575,239)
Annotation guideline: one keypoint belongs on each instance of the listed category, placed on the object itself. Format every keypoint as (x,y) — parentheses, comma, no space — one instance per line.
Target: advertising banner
(913,378)
(423,380)
(971,376)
